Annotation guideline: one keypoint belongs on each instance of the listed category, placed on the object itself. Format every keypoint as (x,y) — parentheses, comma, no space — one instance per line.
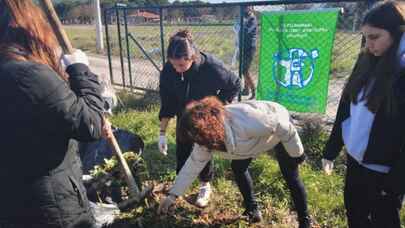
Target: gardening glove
(165,204)
(327,166)
(78,56)
(163,144)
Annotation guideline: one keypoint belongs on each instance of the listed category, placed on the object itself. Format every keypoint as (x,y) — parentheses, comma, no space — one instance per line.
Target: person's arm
(191,169)
(164,122)
(288,135)
(74,112)
(395,179)
(335,142)
(230,85)
(168,104)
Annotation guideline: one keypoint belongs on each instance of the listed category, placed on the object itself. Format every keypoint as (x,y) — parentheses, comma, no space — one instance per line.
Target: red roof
(145,15)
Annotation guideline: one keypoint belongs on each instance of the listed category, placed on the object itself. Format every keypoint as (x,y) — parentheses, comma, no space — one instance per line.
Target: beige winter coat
(251,128)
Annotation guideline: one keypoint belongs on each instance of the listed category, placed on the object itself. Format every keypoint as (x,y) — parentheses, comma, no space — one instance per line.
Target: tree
(63,7)
(148,2)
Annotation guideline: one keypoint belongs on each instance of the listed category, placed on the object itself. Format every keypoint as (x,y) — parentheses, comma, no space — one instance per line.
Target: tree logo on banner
(294,67)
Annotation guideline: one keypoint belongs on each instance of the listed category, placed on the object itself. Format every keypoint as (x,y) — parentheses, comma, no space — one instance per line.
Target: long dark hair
(203,123)
(376,74)
(181,46)
(26,35)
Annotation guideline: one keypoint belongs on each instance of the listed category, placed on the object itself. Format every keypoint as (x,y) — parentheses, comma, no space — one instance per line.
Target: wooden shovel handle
(133,188)
(56,26)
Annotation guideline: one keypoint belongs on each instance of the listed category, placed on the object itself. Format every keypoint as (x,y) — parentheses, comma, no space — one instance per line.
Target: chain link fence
(138,38)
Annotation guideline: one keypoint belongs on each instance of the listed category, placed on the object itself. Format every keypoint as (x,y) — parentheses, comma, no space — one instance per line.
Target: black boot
(254,215)
(245,91)
(304,222)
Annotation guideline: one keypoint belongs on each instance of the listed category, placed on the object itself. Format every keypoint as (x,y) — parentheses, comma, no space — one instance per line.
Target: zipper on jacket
(187,90)
(187,95)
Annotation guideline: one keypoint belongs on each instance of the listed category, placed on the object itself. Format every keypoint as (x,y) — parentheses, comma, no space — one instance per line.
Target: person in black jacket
(370,124)
(44,110)
(191,75)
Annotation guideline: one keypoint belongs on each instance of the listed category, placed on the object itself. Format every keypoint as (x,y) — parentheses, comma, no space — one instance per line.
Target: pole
(99,27)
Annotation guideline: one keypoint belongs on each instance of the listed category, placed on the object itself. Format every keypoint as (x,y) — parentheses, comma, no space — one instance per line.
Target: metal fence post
(117,13)
(162,35)
(241,45)
(108,45)
(128,50)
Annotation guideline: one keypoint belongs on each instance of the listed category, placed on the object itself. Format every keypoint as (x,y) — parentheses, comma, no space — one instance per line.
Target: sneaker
(304,222)
(203,196)
(254,215)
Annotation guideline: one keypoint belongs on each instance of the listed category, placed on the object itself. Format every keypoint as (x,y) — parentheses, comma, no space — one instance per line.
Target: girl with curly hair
(190,74)
(241,132)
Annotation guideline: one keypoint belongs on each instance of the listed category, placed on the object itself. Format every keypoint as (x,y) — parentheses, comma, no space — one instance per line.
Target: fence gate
(137,38)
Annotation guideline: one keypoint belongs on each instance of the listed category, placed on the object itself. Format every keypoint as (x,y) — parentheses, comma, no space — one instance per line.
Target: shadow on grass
(160,167)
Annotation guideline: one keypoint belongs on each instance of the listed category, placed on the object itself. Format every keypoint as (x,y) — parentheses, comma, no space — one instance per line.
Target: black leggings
(289,170)
(366,205)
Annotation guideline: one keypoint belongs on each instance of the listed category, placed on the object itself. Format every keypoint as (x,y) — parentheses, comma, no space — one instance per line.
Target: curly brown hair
(203,123)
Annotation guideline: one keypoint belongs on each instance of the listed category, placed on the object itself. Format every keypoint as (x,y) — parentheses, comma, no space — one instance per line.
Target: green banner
(295,57)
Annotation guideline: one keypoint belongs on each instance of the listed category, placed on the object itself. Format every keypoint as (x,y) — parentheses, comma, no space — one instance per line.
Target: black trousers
(289,170)
(367,205)
(183,151)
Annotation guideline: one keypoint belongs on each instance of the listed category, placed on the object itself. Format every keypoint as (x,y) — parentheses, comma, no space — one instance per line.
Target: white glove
(163,144)
(78,56)
(165,204)
(327,166)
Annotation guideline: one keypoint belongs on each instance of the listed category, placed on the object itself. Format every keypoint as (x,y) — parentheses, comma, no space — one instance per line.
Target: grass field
(325,193)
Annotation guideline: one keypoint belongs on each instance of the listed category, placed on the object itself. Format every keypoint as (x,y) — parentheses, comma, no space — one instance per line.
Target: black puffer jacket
(206,77)
(41,116)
